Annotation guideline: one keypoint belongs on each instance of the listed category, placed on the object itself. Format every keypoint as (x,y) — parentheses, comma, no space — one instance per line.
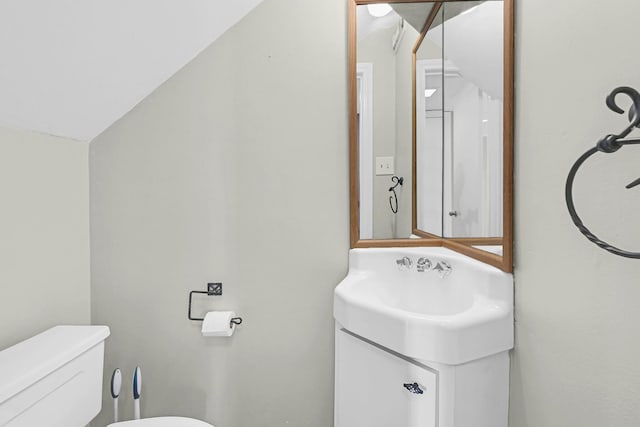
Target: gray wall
(235,170)
(185,191)
(577,316)
(44,234)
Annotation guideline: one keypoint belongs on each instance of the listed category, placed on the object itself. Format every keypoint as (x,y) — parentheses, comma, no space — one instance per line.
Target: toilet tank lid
(29,361)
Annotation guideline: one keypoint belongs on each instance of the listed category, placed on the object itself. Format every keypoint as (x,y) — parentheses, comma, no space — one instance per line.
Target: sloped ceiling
(72,68)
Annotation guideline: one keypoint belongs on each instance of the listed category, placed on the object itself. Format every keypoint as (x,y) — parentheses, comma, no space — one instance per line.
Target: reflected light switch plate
(384,166)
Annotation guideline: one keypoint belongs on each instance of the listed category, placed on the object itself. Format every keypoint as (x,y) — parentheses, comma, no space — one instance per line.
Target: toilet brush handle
(136,409)
(137,390)
(116,383)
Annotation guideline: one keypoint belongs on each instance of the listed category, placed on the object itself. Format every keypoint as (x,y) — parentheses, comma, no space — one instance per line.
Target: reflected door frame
(364,76)
(446,221)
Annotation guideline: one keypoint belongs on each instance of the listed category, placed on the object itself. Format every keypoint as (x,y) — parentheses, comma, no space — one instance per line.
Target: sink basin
(393,297)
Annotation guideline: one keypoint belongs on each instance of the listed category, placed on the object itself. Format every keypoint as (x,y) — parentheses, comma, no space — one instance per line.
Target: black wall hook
(393,200)
(609,144)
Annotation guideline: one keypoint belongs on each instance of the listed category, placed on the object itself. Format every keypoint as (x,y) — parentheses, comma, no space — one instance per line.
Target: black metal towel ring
(608,144)
(393,200)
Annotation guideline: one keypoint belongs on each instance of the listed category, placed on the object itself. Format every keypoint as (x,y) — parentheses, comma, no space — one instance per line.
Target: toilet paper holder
(213,289)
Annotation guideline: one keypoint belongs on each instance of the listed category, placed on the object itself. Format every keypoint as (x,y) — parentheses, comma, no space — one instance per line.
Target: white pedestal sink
(422,339)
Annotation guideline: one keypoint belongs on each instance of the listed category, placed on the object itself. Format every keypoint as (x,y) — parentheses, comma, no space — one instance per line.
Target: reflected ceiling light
(379,10)
(429,92)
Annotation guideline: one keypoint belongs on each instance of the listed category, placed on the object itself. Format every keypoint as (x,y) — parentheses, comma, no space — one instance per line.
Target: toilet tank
(53,379)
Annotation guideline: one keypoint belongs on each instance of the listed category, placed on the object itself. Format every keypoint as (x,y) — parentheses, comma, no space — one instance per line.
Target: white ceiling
(72,68)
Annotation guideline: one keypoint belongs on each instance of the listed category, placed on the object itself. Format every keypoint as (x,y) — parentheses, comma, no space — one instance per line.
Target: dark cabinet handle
(413,388)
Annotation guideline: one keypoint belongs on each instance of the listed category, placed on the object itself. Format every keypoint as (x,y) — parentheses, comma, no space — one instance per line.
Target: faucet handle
(443,268)
(404,263)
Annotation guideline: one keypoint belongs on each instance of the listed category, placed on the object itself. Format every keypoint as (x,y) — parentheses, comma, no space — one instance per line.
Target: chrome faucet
(424,264)
(443,269)
(404,263)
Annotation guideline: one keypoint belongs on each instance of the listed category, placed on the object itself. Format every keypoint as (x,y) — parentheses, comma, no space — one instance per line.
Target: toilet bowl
(162,422)
(54,379)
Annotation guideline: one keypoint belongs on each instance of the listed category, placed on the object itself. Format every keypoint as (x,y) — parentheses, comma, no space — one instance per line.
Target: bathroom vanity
(422,339)
(424,318)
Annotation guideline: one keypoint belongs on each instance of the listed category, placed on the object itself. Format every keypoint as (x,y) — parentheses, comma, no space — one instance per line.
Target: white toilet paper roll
(218,324)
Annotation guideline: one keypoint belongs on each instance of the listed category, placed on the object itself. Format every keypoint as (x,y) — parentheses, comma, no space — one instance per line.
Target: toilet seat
(162,422)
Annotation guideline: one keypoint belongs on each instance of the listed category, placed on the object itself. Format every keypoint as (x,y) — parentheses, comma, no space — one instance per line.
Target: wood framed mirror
(431,126)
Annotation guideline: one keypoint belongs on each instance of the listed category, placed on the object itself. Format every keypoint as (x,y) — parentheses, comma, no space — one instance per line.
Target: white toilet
(162,422)
(54,379)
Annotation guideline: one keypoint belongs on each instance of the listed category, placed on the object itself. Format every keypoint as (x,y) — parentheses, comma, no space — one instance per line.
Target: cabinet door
(378,388)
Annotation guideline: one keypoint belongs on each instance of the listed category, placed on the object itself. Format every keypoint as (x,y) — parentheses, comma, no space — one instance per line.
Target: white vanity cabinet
(378,388)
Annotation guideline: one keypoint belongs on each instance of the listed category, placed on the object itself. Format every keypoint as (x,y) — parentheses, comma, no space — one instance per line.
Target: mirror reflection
(386,36)
(431,126)
(459,123)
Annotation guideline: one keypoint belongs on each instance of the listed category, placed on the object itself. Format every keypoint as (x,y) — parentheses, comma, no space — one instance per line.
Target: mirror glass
(459,123)
(431,126)
(386,35)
